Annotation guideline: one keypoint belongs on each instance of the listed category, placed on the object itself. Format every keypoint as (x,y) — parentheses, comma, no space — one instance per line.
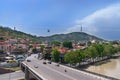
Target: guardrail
(33,72)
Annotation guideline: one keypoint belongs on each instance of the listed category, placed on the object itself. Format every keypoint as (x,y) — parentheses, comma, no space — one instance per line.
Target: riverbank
(107,69)
(90,62)
(104,76)
(84,65)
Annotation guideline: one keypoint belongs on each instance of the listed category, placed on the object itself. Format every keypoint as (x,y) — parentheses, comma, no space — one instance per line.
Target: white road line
(59,72)
(92,75)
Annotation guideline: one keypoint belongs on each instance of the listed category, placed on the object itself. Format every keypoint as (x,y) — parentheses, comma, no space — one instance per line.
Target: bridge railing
(25,68)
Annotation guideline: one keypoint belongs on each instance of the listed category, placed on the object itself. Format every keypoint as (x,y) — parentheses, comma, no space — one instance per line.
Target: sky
(97,17)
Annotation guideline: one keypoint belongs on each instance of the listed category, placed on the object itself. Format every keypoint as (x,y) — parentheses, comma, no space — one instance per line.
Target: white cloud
(100,22)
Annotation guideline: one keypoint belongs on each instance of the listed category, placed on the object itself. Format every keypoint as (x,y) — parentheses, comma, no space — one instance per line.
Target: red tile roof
(63,50)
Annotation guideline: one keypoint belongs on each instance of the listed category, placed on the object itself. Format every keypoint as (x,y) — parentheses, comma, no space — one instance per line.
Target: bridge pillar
(22,67)
(27,74)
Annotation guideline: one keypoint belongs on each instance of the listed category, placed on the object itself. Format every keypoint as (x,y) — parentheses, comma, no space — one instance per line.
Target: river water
(109,68)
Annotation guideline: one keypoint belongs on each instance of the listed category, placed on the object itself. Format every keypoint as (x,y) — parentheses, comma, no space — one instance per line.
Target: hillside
(74,36)
(14,33)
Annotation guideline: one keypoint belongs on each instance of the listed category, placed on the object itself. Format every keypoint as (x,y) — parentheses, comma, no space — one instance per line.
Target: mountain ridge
(17,34)
(73,36)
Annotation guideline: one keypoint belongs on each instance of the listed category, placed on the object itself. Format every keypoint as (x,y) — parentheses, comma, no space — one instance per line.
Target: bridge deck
(52,72)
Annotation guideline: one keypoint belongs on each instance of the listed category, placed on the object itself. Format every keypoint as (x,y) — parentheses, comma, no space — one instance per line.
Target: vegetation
(74,36)
(92,53)
(56,43)
(30,46)
(42,48)
(34,50)
(55,55)
(74,57)
(67,44)
(114,42)
(17,34)
(1,38)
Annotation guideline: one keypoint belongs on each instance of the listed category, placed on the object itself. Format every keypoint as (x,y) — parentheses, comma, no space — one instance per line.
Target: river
(110,68)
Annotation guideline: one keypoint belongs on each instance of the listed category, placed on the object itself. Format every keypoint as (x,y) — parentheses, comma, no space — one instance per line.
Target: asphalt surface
(53,72)
(12,76)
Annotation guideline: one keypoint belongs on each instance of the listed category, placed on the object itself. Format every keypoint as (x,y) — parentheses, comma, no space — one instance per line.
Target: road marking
(95,76)
(92,75)
(58,72)
(88,74)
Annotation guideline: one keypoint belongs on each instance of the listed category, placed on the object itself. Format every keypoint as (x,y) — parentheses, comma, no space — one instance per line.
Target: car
(35,66)
(58,64)
(65,70)
(11,61)
(49,62)
(28,60)
(44,63)
(20,58)
(9,58)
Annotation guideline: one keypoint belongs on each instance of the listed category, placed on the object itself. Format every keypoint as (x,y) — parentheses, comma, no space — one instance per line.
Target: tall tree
(67,44)
(1,38)
(55,55)
(42,48)
(34,50)
(56,43)
(108,50)
(73,57)
(100,49)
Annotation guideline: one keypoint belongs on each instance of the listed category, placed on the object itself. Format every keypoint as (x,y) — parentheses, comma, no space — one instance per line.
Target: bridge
(36,70)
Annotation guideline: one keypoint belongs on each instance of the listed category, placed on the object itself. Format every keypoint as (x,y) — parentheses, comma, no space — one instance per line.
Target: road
(12,76)
(53,72)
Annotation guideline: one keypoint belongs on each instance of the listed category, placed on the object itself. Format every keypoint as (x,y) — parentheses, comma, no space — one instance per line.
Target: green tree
(34,50)
(1,38)
(91,53)
(30,46)
(55,55)
(56,43)
(80,55)
(108,50)
(70,58)
(89,43)
(118,49)
(100,49)
(73,57)
(114,42)
(42,48)
(67,44)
